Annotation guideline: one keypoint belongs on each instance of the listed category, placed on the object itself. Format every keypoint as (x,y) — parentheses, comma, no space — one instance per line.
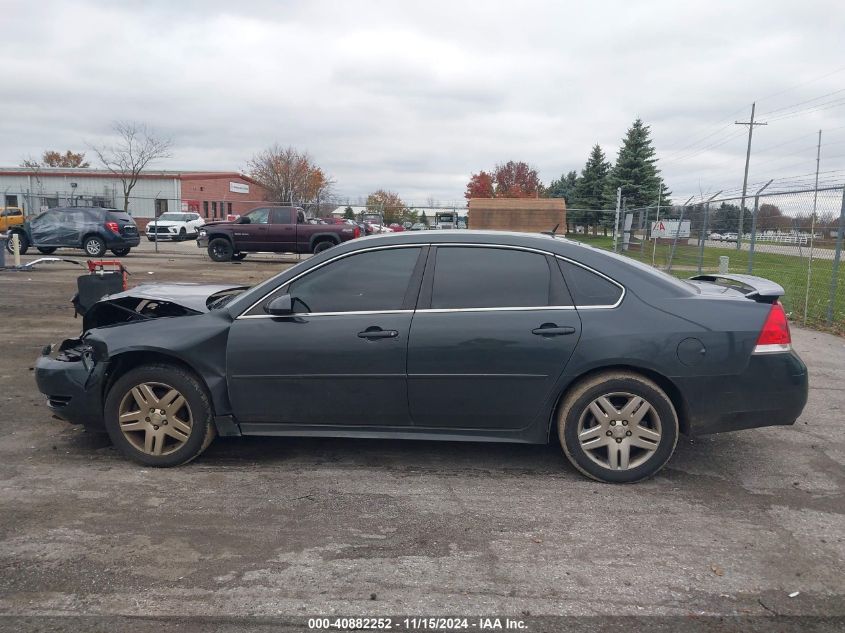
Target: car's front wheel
(220,249)
(618,427)
(23,243)
(183,234)
(159,415)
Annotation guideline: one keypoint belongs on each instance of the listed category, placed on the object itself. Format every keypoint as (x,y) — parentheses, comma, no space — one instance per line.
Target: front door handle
(551,329)
(377,332)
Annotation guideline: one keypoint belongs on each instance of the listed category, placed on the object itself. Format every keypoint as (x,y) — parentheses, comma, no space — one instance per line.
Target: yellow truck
(9,217)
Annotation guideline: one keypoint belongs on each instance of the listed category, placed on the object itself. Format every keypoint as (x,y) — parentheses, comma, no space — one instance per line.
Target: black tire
(46,250)
(150,238)
(183,234)
(94,246)
(660,420)
(239,256)
(196,403)
(23,242)
(121,252)
(220,249)
(319,247)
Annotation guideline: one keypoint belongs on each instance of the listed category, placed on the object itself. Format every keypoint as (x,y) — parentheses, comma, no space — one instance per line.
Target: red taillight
(356,232)
(775,336)
(113,227)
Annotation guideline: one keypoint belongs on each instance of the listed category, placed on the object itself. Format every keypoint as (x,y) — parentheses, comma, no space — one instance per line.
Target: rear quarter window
(587,288)
(118,216)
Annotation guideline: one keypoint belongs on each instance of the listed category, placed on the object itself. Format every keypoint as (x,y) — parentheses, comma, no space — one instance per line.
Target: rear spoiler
(756,288)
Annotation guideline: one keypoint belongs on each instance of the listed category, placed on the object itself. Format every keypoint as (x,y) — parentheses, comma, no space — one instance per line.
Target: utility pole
(750,125)
(812,228)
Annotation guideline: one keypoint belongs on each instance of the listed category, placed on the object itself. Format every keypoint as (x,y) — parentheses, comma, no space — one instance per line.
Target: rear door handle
(550,329)
(377,332)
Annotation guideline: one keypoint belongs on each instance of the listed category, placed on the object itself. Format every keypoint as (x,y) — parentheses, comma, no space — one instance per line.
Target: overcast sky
(415,96)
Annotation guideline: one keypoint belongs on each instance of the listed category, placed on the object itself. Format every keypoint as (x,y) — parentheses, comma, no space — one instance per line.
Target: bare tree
(137,147)
(290,176)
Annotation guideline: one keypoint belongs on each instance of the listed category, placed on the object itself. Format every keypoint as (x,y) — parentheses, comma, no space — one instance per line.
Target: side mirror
(280,306)
(244,220)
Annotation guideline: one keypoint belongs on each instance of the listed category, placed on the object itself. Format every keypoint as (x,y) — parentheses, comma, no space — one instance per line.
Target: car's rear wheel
(159,415)
(220,249)
(121,252)
(319,247)
(618,427)
(94,246)
(46,250)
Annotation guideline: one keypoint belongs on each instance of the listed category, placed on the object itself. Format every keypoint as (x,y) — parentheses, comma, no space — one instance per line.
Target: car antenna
(552,232)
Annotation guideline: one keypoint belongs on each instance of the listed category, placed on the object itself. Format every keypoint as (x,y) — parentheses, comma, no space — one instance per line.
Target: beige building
(531,215)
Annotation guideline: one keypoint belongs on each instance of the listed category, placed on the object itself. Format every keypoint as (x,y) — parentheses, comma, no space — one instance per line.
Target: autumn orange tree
(52,158)
(513,179)
(389,203)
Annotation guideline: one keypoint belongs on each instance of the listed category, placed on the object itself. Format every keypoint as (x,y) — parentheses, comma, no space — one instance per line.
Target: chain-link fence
(794,238)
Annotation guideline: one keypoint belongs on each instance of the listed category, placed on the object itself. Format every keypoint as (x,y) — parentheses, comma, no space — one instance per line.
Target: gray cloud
(416,96)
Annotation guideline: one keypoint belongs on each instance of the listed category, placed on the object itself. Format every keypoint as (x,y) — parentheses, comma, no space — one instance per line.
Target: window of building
(588,288)
(160,206)
(205,208)
(214,210)
(470,277)
(229,208)
(376,280)
(11,201)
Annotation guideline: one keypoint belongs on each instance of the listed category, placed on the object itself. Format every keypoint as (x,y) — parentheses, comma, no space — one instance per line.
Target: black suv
(92,229)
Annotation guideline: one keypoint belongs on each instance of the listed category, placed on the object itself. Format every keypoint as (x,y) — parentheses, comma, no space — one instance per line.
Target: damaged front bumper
(72,379)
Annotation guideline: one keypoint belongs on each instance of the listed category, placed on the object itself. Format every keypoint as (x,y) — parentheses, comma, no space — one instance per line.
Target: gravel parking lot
(266,526)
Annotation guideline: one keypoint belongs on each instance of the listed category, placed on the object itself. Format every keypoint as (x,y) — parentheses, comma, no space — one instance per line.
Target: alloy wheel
(619,431)
(155,418)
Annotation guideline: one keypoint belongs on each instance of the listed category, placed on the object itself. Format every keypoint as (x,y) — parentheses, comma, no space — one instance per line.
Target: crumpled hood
(188,295)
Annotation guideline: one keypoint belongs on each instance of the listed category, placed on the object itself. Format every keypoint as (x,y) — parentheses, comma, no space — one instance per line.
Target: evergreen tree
(636,171)
(563,187)
(348,213)
(424,218)
(589,191)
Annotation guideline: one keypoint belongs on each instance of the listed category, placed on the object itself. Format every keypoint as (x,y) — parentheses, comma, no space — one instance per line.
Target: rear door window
(280,216)
(481,277)
(588,289)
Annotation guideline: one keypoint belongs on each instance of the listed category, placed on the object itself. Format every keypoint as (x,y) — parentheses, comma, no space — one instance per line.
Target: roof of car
(625,269)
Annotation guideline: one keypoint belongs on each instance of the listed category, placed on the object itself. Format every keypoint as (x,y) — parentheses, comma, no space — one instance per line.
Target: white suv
(175,226)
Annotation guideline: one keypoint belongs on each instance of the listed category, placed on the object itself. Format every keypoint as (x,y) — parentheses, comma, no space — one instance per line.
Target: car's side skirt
(522,436)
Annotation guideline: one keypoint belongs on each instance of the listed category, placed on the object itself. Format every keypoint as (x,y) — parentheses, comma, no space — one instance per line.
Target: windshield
(174,217)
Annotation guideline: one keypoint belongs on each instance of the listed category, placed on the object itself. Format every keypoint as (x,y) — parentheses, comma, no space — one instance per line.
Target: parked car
(716,236)
(419,226)
(272,230)
(396,227)
(92,229)
(730,237)
(175,226)
(9,217)
(438,335)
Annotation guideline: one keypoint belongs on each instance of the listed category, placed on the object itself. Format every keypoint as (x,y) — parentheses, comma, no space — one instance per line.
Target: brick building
(214,195)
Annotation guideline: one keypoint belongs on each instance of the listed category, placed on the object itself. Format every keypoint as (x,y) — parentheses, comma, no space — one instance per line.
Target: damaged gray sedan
(453,335)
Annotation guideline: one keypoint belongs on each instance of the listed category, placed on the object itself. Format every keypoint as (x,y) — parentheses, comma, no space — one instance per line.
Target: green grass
(790,271)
